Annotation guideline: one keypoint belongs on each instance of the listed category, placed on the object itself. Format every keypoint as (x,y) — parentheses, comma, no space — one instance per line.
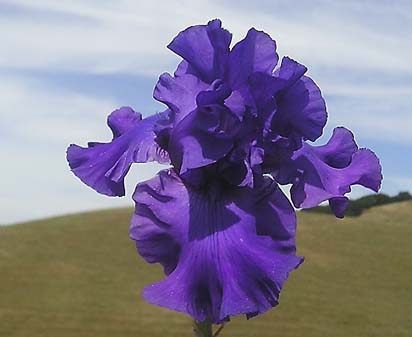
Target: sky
(65,65)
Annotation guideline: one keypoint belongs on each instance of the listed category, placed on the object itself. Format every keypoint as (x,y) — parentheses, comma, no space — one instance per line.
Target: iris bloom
(235,128)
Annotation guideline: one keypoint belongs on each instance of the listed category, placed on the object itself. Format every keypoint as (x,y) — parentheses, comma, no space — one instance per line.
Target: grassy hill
(80,276)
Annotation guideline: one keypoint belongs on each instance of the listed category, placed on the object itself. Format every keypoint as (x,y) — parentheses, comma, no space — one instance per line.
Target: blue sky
(66,64)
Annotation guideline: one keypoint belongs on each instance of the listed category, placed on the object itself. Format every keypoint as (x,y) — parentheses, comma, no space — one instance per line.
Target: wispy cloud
(39,114)
(126,35)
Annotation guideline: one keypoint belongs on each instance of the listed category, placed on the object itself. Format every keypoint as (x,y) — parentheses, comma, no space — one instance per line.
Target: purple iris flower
(235,128)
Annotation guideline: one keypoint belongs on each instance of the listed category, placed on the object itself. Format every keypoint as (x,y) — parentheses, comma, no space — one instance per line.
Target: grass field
(80,276)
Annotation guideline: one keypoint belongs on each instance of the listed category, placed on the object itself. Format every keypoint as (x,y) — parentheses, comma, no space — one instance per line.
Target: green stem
(204,329)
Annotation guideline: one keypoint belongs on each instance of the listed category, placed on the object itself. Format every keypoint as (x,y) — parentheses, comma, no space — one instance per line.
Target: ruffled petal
(202,137)
(290,72)
(255,53)
(338,151)
(215,94)
(103,166)
(237,104)
(288,104)
(156,227)
(338,206)
(276,207)
(328,172)
(301,109)
(231,250)
(179,93)
(263,89)
(205,48)
(241,164)
(122,120)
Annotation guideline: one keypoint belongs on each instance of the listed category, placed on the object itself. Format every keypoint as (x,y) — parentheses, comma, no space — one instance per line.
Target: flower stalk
(204,329)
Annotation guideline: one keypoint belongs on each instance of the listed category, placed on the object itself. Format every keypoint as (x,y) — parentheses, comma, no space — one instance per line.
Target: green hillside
(80,276)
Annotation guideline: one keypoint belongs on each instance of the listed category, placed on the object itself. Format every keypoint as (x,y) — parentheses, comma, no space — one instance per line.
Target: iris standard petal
(217,93)
(205,48)
(263,89)
(290,71)
(103,166)
(179,93)
(231,251)
(301,109)
(255,53)
(288,104)
(204,136)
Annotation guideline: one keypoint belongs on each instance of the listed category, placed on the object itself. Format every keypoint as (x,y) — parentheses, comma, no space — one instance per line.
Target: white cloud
(37,114)
(130,36)
(374,115)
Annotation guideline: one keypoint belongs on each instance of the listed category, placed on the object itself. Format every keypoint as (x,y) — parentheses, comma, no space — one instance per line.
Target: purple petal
(183,68)
(338,151)
(232,249)
(237,103)
(338,206)
(255,53)
(288,104)
(238,174)
(263,89)
(215,94)
(205,48)
(160,204)
(103,166)
(290,71)
(301,108)
(328,171)
(241,164)
(277,208)
(202,137)
(179,93)
(122,120)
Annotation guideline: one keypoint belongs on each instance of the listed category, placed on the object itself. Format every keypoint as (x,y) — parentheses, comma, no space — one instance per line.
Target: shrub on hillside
(356,207)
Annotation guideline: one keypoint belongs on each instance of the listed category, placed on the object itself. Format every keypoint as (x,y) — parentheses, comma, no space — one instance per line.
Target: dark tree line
(356,207)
